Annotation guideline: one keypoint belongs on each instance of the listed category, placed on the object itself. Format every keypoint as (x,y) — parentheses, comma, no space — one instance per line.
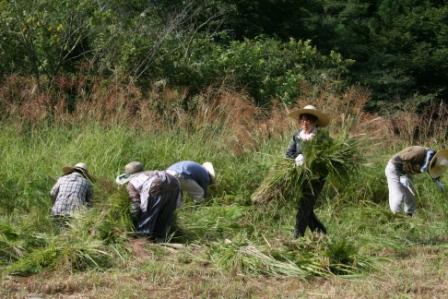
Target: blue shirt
(194,171)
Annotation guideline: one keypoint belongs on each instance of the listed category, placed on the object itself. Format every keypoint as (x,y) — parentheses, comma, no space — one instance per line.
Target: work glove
(439,184)
(299,160)
(406,182)
(136,211)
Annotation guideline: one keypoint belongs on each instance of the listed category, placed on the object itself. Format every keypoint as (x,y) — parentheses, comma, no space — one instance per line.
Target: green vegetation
(267,47)
(240,238)
(107,82)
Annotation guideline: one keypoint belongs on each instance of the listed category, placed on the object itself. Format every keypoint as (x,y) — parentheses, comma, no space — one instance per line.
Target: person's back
(71,193)
(154,196)
(194,177)
(193,170)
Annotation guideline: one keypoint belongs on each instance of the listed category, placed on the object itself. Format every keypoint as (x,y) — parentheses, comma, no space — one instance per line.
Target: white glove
(440,185)
(406,182)
(299,160)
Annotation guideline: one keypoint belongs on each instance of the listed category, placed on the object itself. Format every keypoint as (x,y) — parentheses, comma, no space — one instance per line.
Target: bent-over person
(154,196)
(402,166)
(72,192)
(194,178)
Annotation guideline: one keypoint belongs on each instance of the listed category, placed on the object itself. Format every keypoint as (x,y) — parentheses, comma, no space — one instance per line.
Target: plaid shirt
(71,193)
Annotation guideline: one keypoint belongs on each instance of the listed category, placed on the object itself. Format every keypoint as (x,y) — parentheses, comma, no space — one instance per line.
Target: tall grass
(243,142)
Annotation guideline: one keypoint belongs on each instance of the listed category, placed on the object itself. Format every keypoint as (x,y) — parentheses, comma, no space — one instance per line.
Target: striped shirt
(71,193)
(410,160)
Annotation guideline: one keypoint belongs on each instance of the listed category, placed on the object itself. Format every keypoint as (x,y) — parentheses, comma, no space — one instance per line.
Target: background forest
(398,49)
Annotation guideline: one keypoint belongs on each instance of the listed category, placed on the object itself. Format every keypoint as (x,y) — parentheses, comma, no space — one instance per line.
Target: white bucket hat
(81,167)
(130,170)
(210,170)
(322,118)
(439,163)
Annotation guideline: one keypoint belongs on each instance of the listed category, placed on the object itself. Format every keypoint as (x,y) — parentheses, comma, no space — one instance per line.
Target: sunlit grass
(234,236)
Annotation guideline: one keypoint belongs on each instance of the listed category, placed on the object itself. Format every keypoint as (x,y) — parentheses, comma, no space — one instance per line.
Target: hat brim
(436,169)
(124,178)
(323,119)
(68,169)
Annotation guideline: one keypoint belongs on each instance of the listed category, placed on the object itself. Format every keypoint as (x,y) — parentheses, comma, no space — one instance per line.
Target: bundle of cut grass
(281,183)
(93,240)
(17,240)
(337,158)
(323,258)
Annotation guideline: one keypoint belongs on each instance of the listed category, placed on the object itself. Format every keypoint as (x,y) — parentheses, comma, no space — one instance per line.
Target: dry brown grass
(232,114)
(421,274)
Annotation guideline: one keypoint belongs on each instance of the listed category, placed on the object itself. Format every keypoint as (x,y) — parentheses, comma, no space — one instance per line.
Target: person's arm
(133,193)
(205,192)
(135,208)
(439,184)
(89,196)
(55,190)
(292,152)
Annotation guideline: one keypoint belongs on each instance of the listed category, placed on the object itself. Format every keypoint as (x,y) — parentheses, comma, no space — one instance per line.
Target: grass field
(225,247)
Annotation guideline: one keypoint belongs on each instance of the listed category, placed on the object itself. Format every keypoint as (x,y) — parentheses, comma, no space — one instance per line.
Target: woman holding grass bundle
(310,121)
(411,161)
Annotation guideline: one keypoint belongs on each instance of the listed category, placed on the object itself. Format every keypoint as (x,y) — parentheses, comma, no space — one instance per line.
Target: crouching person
(402,166)
(193,177)
(154,196)
(72,193)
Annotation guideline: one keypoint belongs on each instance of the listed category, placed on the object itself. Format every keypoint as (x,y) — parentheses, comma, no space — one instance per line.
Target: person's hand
(135,210)
(439,184)
(299,160)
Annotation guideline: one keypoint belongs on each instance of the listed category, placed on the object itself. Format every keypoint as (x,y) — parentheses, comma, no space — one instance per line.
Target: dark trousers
(156,221)
(305,210)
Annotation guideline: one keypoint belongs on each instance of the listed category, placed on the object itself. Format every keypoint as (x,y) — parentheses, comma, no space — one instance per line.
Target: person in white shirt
(154,197)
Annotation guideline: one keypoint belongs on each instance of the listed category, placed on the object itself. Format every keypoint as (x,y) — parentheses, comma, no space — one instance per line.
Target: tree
(51,35)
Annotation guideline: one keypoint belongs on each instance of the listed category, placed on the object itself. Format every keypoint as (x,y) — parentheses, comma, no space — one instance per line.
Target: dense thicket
(267,47)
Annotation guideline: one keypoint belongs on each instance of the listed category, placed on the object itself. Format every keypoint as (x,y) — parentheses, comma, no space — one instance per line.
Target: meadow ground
(225,247)
(413,271)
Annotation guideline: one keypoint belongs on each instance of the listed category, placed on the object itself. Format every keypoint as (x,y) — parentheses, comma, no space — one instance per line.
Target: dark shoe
(298,234)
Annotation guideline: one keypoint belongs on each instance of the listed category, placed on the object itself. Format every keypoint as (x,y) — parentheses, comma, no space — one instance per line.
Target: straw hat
(130,170)
(322,118)
(439,163)
(81,167)
(210,170)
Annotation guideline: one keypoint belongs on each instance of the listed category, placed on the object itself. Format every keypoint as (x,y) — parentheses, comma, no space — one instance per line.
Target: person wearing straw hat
(72,192)
(402,166)
(194,178)
(310,121)
(154,197)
